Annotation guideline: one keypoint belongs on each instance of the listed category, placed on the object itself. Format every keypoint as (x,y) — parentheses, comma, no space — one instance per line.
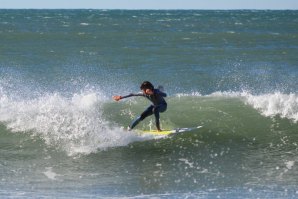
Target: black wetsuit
(159,105)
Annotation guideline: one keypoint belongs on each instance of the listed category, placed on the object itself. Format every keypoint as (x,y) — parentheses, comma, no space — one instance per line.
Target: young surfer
(156,96)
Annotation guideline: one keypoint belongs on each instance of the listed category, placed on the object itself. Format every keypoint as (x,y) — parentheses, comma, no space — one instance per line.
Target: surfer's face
(147,91)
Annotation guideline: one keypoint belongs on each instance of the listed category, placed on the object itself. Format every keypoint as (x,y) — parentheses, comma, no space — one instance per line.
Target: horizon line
(219,9)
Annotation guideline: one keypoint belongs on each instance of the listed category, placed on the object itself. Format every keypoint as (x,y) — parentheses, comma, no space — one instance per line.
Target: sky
(150,4)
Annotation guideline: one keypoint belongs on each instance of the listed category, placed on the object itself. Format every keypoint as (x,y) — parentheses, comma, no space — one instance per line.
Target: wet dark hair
(146,85)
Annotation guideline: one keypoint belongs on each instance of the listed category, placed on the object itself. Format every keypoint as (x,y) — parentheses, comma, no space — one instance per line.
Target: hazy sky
(152,4)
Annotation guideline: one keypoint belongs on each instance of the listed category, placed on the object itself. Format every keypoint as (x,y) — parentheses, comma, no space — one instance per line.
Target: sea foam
(275,104)
(74,124)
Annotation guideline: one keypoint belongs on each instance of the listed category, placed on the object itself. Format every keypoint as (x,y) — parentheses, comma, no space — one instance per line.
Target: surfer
(156,96)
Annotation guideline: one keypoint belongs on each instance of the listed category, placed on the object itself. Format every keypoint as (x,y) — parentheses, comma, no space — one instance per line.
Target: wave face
(233,72)
(88,121)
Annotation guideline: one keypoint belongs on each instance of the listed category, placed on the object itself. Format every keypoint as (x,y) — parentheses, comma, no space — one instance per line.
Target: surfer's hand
(117,98)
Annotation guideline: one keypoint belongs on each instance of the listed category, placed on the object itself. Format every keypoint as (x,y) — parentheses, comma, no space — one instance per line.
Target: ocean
(233,72)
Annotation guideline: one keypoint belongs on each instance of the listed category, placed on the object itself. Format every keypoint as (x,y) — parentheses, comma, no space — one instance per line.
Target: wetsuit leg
(160,108)
(146,113)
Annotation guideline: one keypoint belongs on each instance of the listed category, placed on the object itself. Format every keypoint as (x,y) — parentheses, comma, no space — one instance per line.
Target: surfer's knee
(147,112)
(143,116)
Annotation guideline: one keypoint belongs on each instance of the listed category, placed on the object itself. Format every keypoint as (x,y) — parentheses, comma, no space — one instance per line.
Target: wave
(269,105)
(86,122)
(276,104)
(75,124)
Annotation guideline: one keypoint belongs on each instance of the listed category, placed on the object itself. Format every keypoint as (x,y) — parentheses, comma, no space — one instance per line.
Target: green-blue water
(233,72)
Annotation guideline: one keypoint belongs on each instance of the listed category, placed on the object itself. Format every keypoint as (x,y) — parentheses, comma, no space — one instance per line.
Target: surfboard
(168,132)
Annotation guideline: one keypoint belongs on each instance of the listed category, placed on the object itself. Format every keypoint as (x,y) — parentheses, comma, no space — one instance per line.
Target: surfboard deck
(168,132)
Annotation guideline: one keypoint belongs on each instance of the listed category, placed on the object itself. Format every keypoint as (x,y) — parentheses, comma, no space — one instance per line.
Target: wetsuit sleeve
(132,95)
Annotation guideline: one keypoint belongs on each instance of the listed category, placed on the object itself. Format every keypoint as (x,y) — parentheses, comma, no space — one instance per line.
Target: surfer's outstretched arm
(119,97)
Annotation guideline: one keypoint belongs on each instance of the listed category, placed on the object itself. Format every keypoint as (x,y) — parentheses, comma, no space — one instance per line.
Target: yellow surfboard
(168,132)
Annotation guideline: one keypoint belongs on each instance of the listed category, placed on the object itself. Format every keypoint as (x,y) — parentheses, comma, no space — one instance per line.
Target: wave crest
(283,105)
(75,124)
(269,105)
